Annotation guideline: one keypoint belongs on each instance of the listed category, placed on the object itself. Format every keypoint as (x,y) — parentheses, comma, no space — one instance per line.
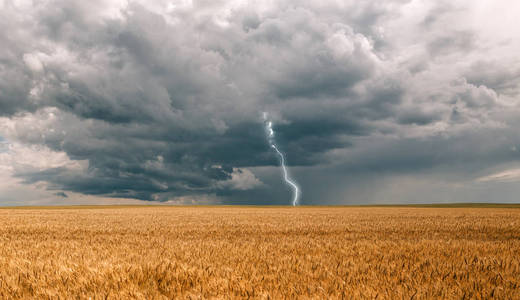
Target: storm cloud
(162,100)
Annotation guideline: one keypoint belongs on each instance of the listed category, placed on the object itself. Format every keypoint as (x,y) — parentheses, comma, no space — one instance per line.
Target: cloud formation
(162,100)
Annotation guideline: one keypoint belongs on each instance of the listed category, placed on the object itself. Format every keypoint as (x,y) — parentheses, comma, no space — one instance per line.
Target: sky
(397,101)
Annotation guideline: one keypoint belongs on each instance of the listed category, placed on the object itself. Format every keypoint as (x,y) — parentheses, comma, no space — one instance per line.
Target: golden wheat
(243,252)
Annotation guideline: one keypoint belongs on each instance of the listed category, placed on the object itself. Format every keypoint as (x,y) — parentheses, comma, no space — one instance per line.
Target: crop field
(164,252)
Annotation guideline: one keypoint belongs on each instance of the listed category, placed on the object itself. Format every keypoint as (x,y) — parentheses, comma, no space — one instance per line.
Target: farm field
(164,252)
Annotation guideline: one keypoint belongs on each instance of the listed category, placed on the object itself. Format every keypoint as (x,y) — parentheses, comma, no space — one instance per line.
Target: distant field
(159,204)
(154,252)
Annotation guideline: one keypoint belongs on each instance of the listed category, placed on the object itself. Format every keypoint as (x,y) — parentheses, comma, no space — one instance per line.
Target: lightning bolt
(288,180)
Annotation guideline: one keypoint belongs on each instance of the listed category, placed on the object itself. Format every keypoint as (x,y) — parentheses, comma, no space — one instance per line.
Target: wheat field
(259,252)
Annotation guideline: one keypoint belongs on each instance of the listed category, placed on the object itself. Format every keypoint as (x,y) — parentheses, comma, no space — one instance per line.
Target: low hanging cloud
(241,179)
(512,175)
(143,99)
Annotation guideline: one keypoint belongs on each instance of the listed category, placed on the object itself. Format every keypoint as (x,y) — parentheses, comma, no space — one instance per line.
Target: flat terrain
(260,252)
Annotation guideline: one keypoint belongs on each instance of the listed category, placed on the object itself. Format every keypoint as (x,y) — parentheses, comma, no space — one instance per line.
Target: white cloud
(33,62)
(511,175)
(241,179)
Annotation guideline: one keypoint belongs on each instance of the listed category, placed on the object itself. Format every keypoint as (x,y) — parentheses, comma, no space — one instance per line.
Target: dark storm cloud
(159,101)
(61,194)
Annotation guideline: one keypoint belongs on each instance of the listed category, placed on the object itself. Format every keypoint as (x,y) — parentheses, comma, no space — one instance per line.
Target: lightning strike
(288,180)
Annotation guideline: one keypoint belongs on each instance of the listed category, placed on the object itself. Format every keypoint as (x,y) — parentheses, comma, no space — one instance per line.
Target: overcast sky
(397,101)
